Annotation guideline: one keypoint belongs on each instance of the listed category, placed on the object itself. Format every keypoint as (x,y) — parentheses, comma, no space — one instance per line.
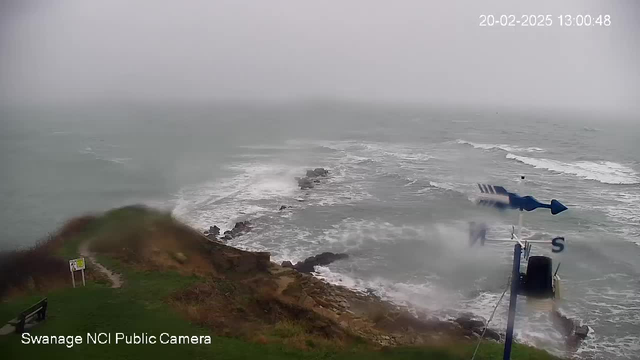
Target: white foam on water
(444,185)
(227,200)
(100,155)
(119,160)
(424,296)
(606,172)
(504,147)
(285,243)
(381,152)
(626,207)
(259,188)
(411,182)
(444,303)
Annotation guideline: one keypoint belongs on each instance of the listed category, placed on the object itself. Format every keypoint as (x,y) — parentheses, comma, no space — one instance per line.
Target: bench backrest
(34,308)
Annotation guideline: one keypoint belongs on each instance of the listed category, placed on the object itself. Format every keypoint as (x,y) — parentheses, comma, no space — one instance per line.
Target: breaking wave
(606,172)
(504,147)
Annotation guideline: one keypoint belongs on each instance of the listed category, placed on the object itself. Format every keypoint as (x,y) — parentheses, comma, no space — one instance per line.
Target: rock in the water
(326,258)
(582,331)
(562,323)
(317,172)
(321,172)
(287,264)
(214,230)
(240,228)
(305,183)
(283,207)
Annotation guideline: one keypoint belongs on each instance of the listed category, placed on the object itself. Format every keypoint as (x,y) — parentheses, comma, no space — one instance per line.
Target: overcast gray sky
(414,51)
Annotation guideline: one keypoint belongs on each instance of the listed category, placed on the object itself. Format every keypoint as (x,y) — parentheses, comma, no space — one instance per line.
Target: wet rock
(305,183)
(211,237)
(317,172)
(469,324)
(562,323)
(283,207)
(287,264)
(241,227)
(582,331)
(326,258)
(488,334)
(214,230)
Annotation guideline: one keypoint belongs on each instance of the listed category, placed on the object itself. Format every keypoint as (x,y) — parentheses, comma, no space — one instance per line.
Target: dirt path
(115,278)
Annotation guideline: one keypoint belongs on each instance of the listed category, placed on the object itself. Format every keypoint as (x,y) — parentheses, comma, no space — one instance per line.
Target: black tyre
(539,279)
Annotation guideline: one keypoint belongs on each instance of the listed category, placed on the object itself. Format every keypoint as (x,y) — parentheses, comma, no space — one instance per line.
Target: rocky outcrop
(468,323)
(311,178)
(240,228)
(309,264)
(475,325)
(229,260)
(318,172)
(571,329)
(214,230)
(283,207)
(305,183)
(582,332)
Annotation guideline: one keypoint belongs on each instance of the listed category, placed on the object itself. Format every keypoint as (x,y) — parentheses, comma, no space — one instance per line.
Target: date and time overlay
(510,20)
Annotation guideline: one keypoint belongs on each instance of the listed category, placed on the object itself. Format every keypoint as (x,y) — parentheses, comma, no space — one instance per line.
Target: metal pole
(520,225)
(83,283)
(515,280)
(73,279)
(520,186)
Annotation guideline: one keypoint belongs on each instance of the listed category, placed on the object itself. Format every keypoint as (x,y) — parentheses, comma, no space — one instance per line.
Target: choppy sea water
(398,199)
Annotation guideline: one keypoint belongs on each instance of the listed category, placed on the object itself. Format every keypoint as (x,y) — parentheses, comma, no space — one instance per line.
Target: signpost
(499,197)
(77,265)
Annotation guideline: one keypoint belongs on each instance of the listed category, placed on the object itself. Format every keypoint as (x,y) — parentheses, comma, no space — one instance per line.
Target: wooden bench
(38,309)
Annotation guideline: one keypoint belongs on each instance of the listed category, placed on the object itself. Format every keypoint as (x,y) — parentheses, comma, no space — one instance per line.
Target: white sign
(76,264)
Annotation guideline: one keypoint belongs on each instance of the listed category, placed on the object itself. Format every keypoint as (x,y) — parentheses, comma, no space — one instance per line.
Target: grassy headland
(177,282)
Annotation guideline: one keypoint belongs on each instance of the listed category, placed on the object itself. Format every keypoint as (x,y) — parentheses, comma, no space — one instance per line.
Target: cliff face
(249,295)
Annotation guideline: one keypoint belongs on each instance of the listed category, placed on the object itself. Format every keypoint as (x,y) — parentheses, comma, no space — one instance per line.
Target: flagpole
(515,281)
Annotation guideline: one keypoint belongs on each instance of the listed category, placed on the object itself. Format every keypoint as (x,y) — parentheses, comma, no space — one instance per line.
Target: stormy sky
(389,51)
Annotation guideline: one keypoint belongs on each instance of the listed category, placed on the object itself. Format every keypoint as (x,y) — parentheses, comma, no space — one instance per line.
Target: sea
(399,198)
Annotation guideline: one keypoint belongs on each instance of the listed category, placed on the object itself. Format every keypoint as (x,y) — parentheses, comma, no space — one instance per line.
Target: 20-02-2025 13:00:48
(544,20)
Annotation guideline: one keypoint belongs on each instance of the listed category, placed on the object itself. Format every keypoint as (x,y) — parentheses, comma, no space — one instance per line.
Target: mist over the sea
(210,109)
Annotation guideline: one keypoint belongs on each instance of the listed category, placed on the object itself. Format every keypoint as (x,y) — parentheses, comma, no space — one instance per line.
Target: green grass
(114,224)
(138,308)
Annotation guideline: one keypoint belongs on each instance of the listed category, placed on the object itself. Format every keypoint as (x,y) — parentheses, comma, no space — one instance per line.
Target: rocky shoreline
(381,321)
